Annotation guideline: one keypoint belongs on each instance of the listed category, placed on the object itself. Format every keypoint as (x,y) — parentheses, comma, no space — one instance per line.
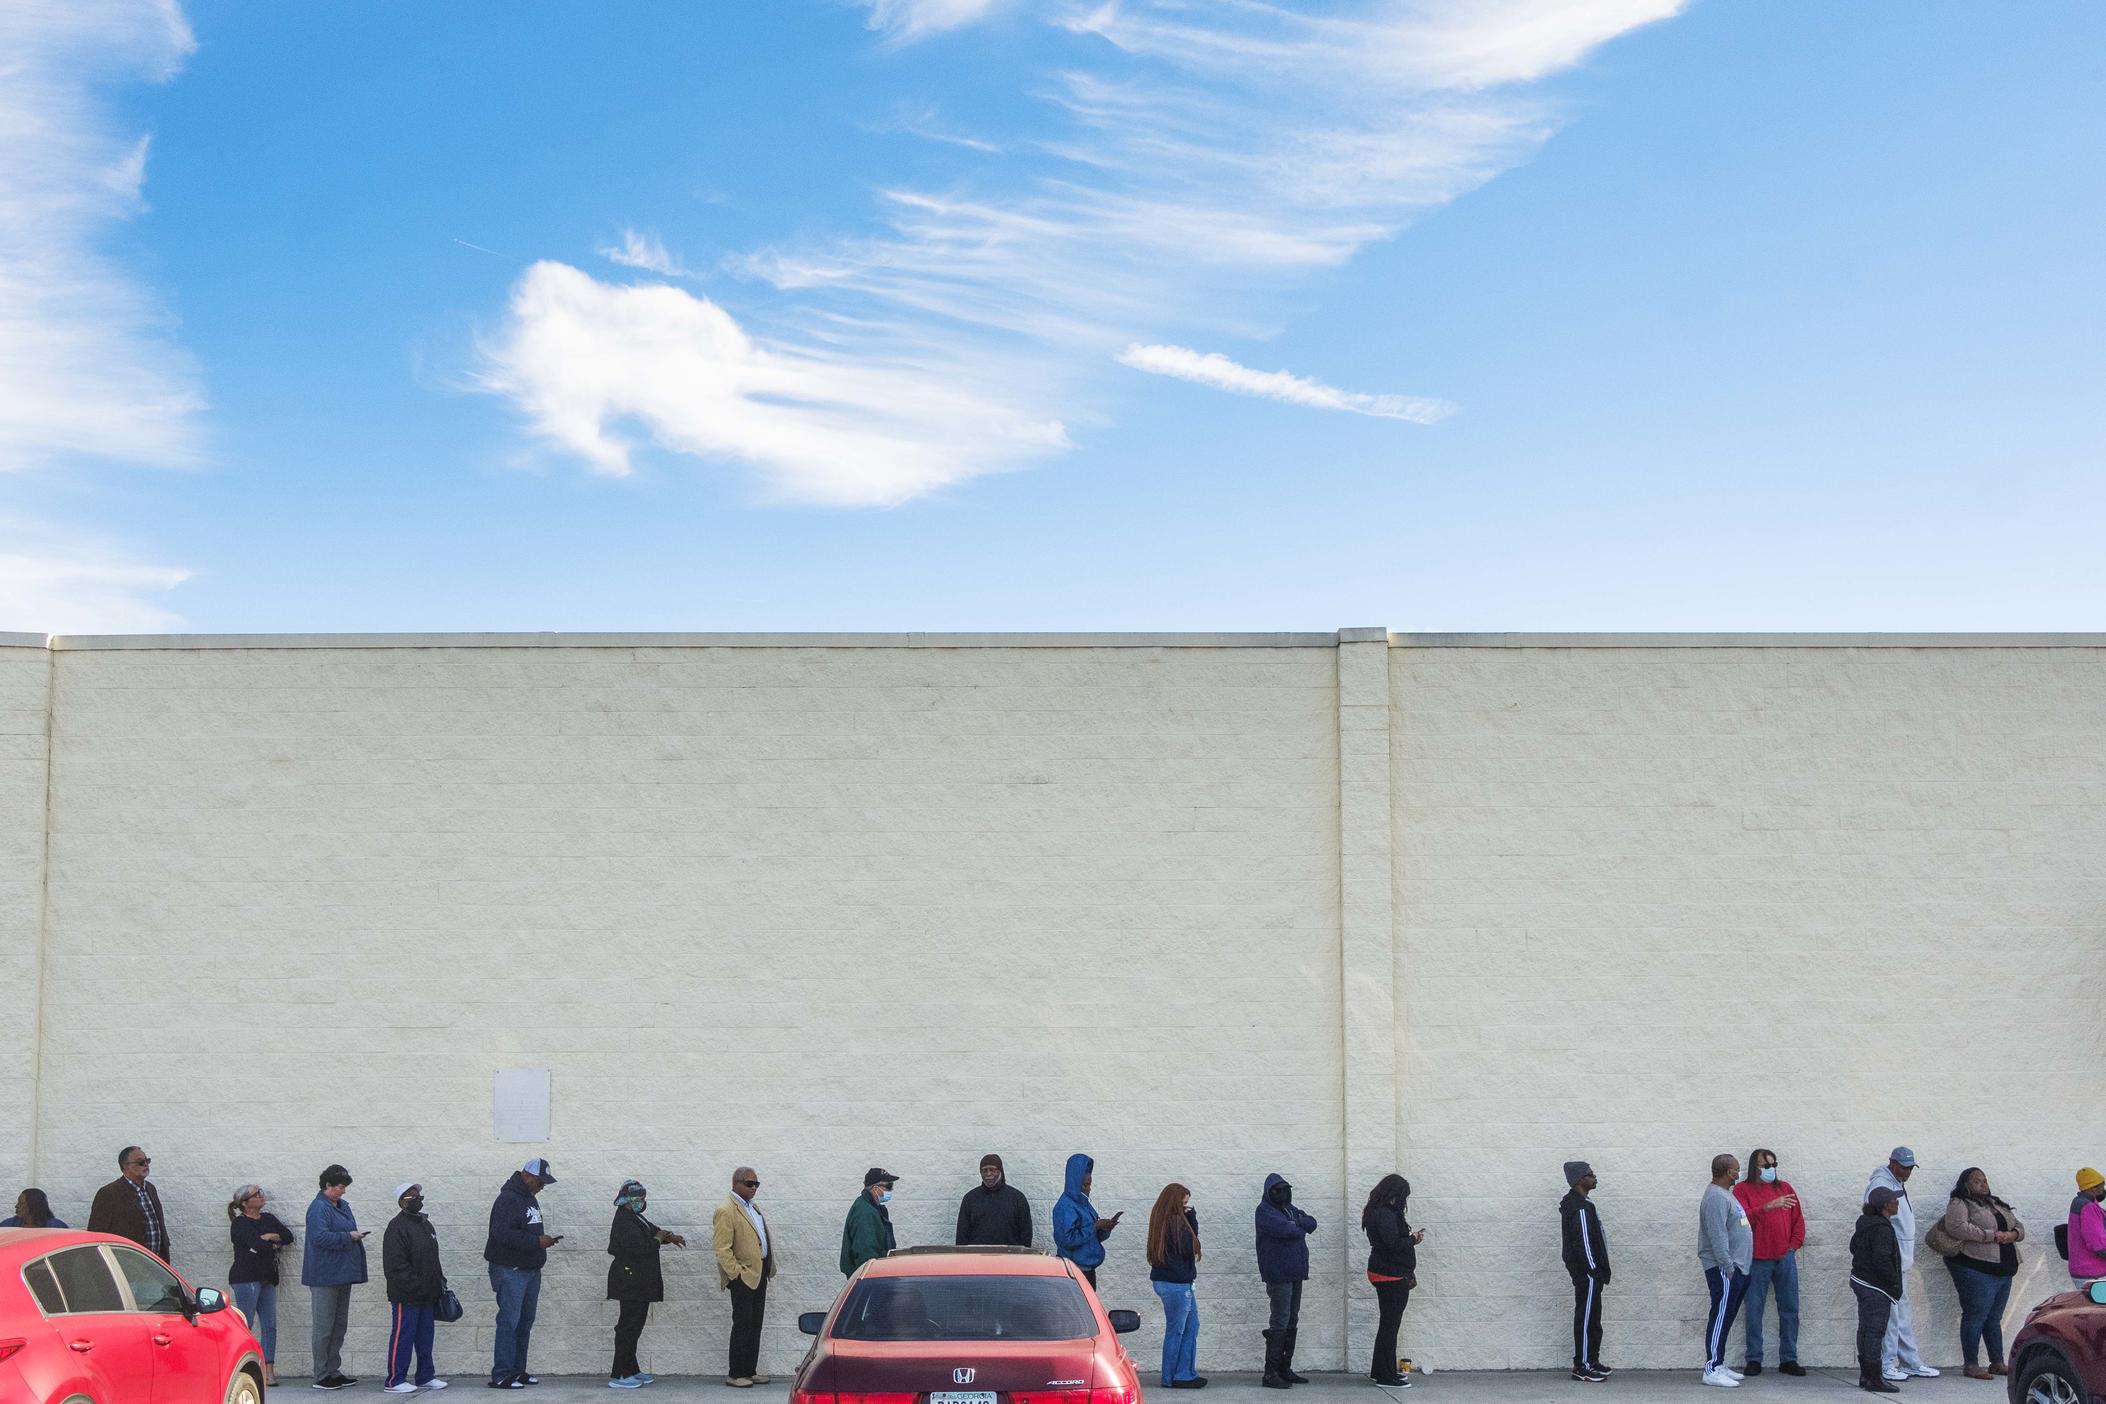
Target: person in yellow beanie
(2087,1228)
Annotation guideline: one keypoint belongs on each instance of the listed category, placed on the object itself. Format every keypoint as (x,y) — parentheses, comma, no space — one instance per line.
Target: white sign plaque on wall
(522,1104)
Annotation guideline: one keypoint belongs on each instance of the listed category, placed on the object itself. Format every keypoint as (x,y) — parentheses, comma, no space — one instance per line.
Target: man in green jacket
(868,1232)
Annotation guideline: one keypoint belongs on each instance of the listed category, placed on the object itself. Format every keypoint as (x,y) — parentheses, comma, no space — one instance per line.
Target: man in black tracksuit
(1586,1253)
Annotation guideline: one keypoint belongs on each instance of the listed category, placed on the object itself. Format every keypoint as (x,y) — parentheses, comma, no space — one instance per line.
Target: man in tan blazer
(745,1262)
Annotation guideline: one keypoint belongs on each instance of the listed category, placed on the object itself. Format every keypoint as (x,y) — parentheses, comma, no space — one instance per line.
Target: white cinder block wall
(1203,907)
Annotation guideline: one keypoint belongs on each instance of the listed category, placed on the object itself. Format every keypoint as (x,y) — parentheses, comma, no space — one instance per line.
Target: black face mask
(413,1203)
(1282,1194)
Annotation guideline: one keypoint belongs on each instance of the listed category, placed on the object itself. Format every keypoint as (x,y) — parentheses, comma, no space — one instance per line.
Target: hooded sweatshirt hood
(1276,1180)
(1079,1166)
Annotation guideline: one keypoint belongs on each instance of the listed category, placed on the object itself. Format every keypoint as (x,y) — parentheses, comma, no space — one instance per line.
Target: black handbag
(449,1307)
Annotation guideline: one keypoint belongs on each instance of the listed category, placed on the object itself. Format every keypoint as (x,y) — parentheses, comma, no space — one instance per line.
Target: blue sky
(1028,314)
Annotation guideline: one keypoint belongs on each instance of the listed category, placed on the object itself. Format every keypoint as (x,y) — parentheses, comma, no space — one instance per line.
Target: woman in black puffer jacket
(634,1279)
(1392,1268)
(1875,1279)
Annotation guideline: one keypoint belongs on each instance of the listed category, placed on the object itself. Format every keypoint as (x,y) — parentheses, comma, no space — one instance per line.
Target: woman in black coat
(1875,1279)
(1392,1269)
(634,1279)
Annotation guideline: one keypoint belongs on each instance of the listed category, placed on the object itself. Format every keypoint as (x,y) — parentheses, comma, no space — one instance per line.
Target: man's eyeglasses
(142,1160)
(750,1184)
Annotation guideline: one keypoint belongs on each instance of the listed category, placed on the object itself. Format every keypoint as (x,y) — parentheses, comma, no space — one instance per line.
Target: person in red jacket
(1772,1207)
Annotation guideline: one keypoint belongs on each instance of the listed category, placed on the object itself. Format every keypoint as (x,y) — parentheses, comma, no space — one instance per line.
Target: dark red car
(2059,1355)
(967,1326)
(90,1318)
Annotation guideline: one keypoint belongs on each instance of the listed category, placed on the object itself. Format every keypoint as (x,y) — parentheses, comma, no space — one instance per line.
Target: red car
(2059,1355)
(967,1326)
(90,1318)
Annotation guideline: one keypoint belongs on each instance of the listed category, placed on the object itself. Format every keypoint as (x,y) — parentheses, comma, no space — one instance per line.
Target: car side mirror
(2098,1292)
(810,1322)
(207,1301)
(1123,1320)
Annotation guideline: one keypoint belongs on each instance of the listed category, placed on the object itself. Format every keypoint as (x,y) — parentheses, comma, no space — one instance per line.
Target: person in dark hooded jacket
(1876,1281)
(994,1211)
(1283,1261)
(409,1261)
(516,1250)
(1078,1231)
(634,1278)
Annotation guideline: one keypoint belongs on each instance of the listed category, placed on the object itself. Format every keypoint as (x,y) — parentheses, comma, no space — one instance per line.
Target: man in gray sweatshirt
(1726,1248)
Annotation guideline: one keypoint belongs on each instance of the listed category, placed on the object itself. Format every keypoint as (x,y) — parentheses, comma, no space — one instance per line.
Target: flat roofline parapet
(95,642)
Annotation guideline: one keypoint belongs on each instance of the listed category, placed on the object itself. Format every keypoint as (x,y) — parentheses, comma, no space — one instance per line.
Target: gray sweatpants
(332,1316)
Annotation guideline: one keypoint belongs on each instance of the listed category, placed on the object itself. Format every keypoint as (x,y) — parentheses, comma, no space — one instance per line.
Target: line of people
(1750,1231)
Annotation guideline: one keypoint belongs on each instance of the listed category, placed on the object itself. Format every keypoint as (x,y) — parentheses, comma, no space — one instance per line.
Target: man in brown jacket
(130,1206)
(745,1262)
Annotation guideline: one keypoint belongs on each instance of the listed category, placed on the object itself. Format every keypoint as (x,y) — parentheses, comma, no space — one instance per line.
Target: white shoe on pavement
(1895,1373)
(404,1388)
(1721,1378)
(1729,1370)
(1924,1372)
(433,1384)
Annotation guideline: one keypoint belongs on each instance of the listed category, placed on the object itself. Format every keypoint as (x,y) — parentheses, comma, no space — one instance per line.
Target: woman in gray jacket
(1989,1233)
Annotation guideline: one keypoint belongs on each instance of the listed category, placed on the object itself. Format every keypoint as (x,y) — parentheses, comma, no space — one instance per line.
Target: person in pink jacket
(2087,1227)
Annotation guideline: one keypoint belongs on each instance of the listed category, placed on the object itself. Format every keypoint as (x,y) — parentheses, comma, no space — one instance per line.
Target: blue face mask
(884,1196)
(1769,1174)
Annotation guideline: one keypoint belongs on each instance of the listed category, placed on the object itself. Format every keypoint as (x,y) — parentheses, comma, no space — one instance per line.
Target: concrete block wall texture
(25,673)
(811,910)
(1654,904)
(1203,907)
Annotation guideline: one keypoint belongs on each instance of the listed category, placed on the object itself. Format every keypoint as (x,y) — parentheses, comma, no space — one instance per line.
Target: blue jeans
(1180,1330)
(1983,1297)
(518,1292)
(1783,1275)
(259,1303)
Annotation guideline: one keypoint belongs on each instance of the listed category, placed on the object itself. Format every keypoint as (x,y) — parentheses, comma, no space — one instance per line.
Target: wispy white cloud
(1216,370)
(908,20)
(1192,163)
(645,251)
(583,358)
(56,582)
(924,121)
(87,368)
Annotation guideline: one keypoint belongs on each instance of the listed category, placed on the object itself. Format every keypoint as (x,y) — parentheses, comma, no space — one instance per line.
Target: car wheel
(2049,1380)
(243,1389)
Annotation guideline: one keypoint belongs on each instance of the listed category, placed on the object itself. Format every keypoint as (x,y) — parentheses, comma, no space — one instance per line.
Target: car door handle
(82,1346)
(164,1340)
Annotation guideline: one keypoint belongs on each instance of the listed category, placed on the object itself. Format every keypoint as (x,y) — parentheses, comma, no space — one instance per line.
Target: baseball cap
(875,1176)
(1882,1195)
(538,1168)
(1903,1156)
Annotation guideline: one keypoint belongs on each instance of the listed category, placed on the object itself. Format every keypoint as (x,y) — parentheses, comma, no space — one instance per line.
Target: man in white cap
(1899,1356)
(409,1263)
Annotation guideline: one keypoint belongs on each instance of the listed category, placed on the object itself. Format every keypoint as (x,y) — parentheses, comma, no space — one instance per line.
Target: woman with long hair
(1989,1233)
(32,1210)
(1392,1269)
(1173,1267)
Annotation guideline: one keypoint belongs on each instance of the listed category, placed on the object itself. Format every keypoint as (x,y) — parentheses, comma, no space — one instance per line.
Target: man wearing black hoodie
(994,1211)
(517,1250)
(1586,1253)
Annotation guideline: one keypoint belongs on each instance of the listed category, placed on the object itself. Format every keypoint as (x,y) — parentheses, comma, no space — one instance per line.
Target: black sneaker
(1751,1368)
(1589,1374)
(1791,1367)
(1600,1369)
(508,1382)
(330,1382)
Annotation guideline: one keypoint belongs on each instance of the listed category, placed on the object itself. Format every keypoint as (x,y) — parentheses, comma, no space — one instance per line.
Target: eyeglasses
(750,1184)
(142,1160)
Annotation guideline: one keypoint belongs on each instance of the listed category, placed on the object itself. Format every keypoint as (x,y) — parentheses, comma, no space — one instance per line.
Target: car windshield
(973,1308)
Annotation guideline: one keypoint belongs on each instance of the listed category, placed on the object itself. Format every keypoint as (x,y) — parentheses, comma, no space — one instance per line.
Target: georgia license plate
(970,1396)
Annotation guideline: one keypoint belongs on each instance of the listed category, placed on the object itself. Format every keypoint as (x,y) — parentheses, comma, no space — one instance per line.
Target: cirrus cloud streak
(1216,370)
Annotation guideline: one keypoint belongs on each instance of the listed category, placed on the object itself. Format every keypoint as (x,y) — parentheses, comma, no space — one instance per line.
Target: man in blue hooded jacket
(1283,1261)
(1078,1233)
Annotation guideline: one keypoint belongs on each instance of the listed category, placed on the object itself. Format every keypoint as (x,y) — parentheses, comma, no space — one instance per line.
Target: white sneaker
(433,1384)
(1923,1372)
(404,1388)
(1729,1370)
(1720,1378)
(1895,1373)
